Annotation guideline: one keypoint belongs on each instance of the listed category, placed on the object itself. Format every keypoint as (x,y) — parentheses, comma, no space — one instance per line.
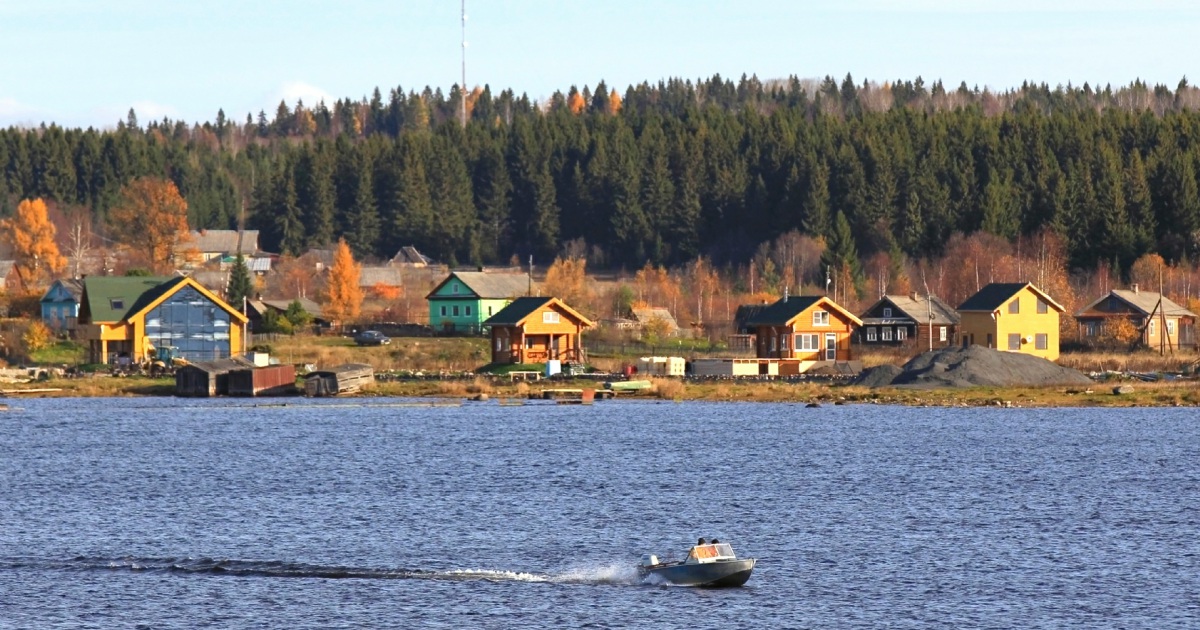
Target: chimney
(1135,287)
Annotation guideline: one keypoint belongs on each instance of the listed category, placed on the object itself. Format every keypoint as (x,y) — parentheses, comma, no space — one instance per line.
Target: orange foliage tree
(575,102)
(150,218)
(614,102)
(656,287)
(1146,271)
(385,292)
(566,280)
(343,295)
(30,234)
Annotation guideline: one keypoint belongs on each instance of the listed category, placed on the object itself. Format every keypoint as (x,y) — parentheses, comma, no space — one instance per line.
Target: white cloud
(299,90)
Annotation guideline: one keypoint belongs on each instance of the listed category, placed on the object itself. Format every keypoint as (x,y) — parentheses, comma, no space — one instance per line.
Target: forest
(666,173)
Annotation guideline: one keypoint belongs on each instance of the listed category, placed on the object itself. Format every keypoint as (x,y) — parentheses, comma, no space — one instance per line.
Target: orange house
(536,330)
(805,328)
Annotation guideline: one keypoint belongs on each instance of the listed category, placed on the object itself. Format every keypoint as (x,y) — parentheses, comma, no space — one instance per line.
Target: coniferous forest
(663,173)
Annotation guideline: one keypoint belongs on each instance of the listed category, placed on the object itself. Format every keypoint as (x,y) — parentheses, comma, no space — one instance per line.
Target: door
(554,347)
(830,347)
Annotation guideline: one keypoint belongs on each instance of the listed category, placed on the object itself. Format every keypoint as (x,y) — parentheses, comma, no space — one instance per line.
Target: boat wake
(603,574)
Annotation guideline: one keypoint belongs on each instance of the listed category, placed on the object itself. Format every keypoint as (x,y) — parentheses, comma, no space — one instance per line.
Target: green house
(465,299)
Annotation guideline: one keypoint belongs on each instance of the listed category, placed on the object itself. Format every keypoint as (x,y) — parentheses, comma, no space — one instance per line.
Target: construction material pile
(973,366)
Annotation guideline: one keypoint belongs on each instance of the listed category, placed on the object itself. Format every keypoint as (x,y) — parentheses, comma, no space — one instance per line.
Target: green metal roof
(110,299)
(516,311)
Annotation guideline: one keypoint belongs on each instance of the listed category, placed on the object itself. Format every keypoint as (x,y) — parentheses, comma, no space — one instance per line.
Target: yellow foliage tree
(343,295)
(1119,330)
(150,217)
(566,280)
(575,102)
(614,102)
(1147,270)
(30,234)
(36,336)
(655,286)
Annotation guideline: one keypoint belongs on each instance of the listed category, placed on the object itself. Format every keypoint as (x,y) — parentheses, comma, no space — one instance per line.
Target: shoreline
(1159,394)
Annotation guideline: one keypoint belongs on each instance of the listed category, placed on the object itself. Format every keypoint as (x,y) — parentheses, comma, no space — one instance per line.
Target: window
(1150,328)
(1014,341)
(529,343)
(1043,341)
(887,333)
(941,333)
(467,311)
(443,311)
(489,311)
(499,344)
(117,303)
(1043,307)
(820,318)
(901,333)
(1091,329)
(454,288)
(1170,328)
(871,334)
(772,344)
(1014,306)
(455,308)
(806,342)
(783,342)
(550,317)
(887,312)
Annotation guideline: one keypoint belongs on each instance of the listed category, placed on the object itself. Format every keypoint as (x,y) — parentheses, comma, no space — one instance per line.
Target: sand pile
(972,367)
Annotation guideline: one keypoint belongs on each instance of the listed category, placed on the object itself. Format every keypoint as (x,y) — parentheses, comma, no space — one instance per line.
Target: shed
(662,366)
(343,379)
(207,378)
(272,380)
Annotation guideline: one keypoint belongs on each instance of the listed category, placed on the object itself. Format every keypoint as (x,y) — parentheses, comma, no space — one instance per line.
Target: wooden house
(1014,317)
(896,319)
(1148,313)
(536,330)
(465,299)
(127,317)
(10,278)
(201,246)
(60,304)
(805,328)
(655,318)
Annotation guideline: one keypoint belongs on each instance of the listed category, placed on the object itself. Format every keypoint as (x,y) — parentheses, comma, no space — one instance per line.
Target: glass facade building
(192,323)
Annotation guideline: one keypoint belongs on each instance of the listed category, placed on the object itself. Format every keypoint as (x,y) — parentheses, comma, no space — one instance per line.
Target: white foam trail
(598,574)
(488,574)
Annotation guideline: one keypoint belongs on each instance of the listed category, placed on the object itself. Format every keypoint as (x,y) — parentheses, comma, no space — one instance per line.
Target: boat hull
(712,574)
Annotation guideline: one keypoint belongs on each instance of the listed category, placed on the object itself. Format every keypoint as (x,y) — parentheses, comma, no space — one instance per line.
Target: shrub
(36,336)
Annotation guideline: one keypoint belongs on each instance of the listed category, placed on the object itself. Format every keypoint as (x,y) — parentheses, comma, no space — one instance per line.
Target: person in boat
(714,541)
(701,542)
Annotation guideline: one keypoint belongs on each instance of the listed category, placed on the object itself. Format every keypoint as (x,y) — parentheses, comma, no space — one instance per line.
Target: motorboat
(706,564)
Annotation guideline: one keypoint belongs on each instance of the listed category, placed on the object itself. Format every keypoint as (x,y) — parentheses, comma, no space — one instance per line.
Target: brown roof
(918,309)
(221,242)
(488,285)
(1141,301)
(646,314)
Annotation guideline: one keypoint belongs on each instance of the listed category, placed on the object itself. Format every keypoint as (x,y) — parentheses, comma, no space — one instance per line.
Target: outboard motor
(649,560)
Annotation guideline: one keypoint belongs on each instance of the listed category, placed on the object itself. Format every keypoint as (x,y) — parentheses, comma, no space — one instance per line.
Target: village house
(896,319)
(655,318)
(258,308)
(1014,317)
(804,327)
(10,278)
(536,330)
(465,299)
(127,317)
(201,246)
(1146,312)
(60,304)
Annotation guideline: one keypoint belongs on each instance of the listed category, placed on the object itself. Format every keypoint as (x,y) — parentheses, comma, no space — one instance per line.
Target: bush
(36,336)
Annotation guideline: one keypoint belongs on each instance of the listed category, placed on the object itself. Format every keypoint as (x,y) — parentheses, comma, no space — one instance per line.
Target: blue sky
(86,62)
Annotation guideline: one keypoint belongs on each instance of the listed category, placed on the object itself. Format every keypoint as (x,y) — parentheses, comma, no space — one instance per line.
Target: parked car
(372,338)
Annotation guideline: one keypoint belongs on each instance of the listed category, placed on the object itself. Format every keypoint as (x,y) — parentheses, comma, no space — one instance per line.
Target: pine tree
(241,286)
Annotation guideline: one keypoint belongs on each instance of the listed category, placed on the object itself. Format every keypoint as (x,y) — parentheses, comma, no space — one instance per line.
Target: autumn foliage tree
(30,234)
(567,280)
(150,218)
(343,296)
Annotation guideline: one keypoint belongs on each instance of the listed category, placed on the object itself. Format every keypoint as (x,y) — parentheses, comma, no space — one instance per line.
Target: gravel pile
(972,367)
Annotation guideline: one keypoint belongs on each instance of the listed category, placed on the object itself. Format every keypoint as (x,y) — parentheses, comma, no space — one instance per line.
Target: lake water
(163,513)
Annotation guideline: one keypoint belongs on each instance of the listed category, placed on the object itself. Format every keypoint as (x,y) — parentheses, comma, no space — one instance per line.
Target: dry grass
(1137,361)
(667,388)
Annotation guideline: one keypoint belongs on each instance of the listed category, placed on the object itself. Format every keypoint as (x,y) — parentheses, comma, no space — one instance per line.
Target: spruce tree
(241,287)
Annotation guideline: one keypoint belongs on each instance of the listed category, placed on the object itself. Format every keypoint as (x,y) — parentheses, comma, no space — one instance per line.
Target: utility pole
(463,88)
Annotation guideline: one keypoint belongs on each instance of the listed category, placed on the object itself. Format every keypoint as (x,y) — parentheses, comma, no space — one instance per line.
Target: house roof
(212,280)
(747,312)
(487,285)
(114,299)
(521,308)
(111,298)
(387,276)
(408,255)
(221,241)
(919,308)
(71,285)
(1142,301)
(646,314)
(786,309)
(309,306)
(992,296)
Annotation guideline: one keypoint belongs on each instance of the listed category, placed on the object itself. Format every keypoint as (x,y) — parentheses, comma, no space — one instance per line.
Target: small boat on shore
(708,564)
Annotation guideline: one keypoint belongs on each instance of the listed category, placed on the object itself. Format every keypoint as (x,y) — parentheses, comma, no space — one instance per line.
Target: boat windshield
(710,553)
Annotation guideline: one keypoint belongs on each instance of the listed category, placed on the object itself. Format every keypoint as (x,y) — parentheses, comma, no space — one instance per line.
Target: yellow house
(536,330)
(124,318)
(1014,317)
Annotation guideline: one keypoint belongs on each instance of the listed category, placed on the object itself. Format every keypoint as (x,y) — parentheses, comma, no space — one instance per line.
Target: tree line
(663,173)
